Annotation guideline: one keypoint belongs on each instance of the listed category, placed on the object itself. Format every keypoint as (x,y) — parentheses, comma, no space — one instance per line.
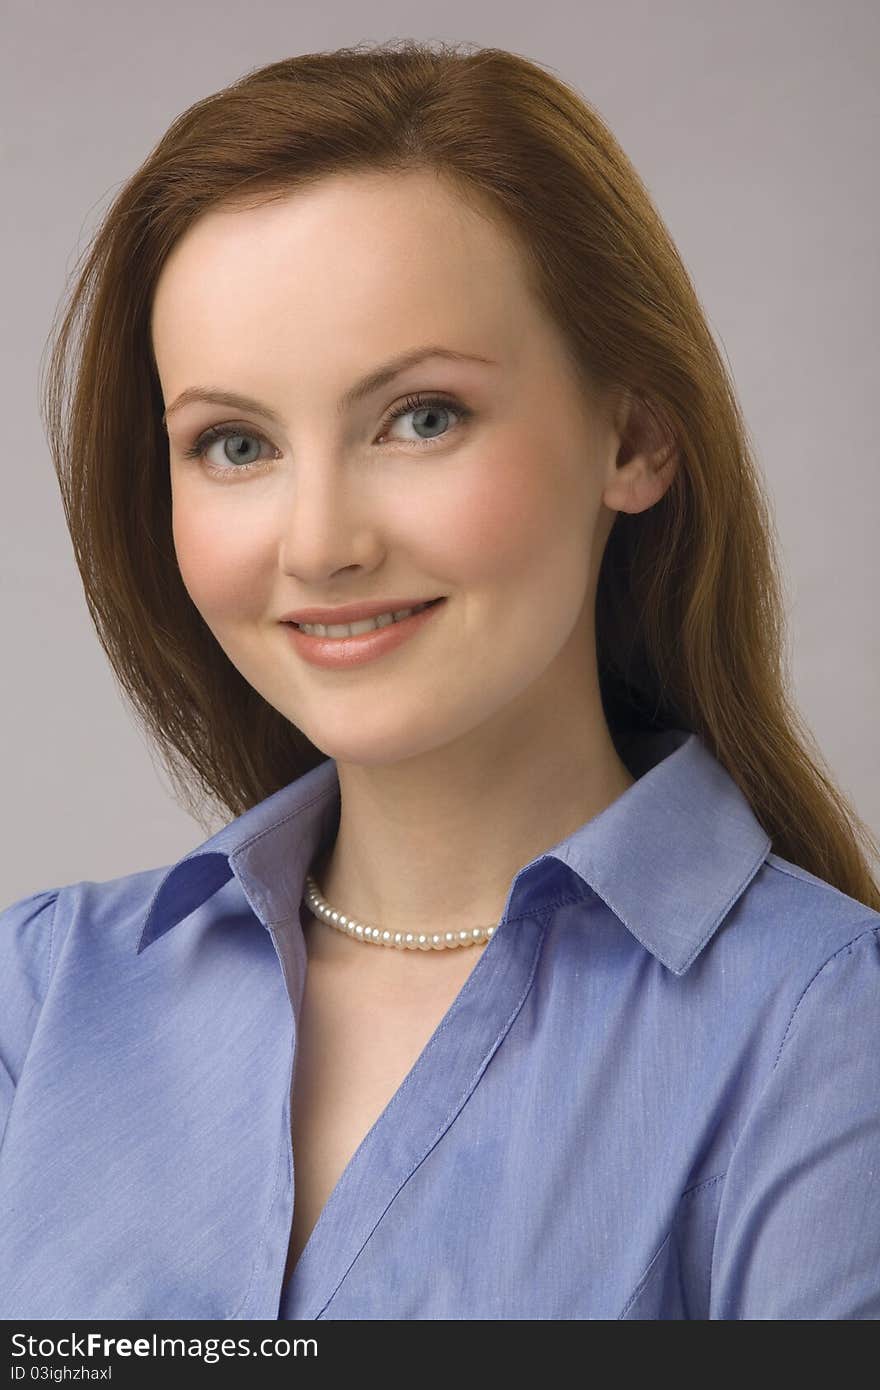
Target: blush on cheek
(499,521)
(212,563)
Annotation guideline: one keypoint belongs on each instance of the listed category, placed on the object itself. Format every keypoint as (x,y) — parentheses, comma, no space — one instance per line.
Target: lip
(339,653)
(353,612)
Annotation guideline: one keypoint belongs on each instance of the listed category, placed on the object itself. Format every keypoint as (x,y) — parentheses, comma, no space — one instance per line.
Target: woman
(536,974)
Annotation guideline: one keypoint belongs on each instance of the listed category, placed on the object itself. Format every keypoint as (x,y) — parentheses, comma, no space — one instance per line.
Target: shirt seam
(50,959)
(550,907)
(840,950)
(36,1013)
(761,1085)
(276,825)
(642,1283)
(704,1182)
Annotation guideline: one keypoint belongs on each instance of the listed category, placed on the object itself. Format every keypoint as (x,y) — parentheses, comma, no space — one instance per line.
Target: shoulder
(806,958)
(27,948)
(34,928)
(797,1188)
(789,923)
(839,986)
(35,931)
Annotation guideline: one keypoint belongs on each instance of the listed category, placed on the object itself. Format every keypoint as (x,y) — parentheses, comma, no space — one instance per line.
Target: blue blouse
(656,1096)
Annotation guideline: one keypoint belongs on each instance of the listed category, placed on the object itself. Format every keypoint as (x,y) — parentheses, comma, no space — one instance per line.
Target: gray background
(755,129)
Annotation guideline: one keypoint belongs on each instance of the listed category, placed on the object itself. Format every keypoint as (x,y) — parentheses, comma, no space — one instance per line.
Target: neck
(433,842)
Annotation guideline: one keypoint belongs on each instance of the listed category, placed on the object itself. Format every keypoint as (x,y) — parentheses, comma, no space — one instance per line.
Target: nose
(326,526)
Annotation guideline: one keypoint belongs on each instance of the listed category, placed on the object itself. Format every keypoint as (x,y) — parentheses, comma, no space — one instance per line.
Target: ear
(643,458)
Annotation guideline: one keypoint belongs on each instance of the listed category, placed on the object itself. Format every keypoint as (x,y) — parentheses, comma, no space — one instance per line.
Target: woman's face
(493,500)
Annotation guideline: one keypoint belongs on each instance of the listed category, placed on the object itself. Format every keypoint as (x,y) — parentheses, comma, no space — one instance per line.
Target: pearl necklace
(403,941)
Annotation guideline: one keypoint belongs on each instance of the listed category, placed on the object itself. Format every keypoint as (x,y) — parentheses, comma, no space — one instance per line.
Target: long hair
(690,602)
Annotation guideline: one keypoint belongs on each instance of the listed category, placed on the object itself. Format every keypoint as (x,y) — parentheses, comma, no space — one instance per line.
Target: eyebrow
(381,376)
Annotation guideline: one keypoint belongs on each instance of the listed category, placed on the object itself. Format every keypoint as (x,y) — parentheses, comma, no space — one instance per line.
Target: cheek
(496,525)
(214,556)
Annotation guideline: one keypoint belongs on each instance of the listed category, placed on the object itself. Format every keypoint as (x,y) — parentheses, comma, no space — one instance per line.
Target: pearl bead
(402,941)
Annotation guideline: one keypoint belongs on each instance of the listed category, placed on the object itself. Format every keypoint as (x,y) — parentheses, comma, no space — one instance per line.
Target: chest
(356,1043)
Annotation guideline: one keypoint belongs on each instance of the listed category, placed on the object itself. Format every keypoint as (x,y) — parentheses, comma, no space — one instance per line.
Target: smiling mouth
(362,626)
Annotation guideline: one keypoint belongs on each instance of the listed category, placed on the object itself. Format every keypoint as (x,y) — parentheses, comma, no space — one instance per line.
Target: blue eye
(217,432)
(430,404)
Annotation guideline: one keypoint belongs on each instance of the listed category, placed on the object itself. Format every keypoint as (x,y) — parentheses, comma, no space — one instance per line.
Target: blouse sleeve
(26,935)
(798,1232)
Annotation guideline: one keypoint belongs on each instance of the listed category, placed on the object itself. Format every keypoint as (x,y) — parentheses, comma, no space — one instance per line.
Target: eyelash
(419,401)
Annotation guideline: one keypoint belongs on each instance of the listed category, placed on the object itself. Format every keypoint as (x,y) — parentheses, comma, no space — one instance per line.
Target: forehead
(403,254)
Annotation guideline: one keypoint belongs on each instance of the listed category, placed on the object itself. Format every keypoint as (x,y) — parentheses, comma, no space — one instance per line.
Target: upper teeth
(364,625)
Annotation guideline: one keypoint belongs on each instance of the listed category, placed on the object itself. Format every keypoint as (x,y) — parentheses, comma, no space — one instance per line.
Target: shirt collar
(669,857)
